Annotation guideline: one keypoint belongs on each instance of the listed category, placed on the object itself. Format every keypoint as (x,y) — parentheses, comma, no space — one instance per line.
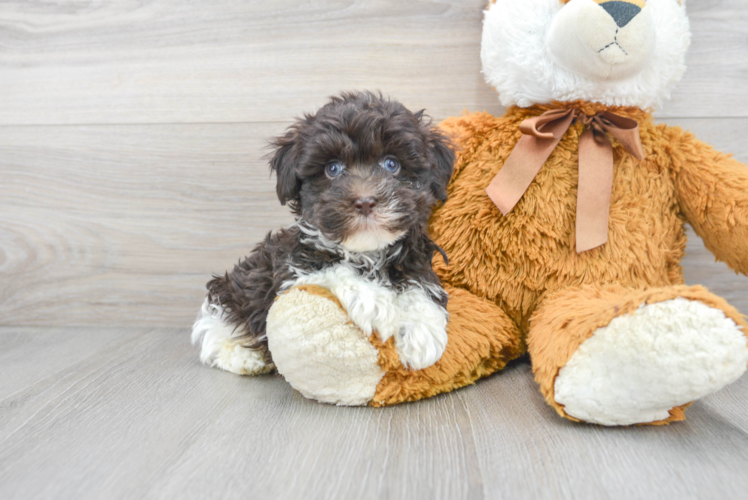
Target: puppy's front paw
(370,306)
(420,345)
(374,312)
(422,336)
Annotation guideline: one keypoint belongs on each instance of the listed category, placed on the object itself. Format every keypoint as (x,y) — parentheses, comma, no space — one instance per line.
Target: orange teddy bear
(614,335)
(564,229)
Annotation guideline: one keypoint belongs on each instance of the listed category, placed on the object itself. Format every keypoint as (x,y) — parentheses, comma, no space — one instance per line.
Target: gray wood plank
(142,419)
(145,420)
(329,452)
(123,224)
(526,451)
(30,355)
(40,363)
(714,83)
(233,60)
(163,61)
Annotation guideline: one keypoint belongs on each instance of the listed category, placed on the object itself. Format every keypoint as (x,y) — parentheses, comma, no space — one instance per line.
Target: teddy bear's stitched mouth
(611,45)
(614,42)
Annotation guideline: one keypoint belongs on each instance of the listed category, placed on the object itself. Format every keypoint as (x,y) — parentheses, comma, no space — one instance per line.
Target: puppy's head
(363,170)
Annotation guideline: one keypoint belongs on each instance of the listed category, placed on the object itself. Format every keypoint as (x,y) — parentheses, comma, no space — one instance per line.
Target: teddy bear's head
(615,52)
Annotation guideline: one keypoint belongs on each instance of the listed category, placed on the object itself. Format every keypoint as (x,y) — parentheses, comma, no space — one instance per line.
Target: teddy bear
(564,227)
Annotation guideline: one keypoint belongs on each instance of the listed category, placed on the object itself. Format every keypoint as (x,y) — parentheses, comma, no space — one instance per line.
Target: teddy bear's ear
(285,163)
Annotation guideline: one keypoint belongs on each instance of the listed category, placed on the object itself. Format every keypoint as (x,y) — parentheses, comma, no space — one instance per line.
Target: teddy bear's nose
(621,12)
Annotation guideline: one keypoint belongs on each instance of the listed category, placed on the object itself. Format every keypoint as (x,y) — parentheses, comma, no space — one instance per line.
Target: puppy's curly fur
(326,164)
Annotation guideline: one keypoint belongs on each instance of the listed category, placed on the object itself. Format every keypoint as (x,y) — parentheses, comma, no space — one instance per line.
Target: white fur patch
(418,323)
(369,263)
(422,337)
(519,63)
(371,238)
(319,352)
(642,365)
(218,346)
(587,41)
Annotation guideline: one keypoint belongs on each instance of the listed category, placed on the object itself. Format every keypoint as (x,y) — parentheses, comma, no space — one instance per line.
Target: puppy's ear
(285,163)
(442,157)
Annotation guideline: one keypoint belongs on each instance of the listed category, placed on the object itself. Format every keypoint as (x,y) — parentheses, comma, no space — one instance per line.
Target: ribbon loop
(553,121)
(540,136)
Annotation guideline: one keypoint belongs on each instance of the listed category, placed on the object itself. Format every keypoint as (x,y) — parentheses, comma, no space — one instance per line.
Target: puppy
(361,176)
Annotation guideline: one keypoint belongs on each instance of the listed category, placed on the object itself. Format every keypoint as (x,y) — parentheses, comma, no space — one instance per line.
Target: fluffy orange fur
(525,262)
(482,339)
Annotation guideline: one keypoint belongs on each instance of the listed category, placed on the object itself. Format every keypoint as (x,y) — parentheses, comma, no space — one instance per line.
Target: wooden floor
(91,413)
(131,143)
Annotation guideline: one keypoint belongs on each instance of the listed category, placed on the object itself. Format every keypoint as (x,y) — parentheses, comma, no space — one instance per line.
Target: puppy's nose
(622,12)
(364,206)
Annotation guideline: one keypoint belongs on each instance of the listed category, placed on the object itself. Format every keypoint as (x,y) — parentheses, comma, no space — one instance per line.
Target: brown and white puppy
(362,176)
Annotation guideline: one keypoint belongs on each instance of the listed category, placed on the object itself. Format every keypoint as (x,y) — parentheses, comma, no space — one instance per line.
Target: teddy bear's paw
(640,366)
(319,351)
(422,337)
(219,347)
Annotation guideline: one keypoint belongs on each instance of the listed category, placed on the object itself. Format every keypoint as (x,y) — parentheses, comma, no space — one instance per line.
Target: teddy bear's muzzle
(602,39)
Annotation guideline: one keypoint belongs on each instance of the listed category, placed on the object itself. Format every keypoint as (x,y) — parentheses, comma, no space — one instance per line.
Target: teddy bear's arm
(712,190)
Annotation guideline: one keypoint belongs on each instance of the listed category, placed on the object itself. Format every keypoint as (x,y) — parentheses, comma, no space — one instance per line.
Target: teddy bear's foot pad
(641,365)
(319,351)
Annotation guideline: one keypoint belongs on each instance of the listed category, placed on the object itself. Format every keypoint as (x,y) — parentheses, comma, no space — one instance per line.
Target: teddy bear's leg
(326,357)
(319,350)
(618,356)
(482,340)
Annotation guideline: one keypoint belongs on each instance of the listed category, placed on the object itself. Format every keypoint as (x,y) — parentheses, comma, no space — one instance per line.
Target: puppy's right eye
(334,169)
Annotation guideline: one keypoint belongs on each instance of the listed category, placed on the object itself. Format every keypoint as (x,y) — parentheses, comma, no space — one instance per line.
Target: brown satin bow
(540,136)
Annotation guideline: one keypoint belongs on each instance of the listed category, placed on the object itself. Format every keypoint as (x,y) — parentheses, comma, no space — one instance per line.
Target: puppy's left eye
(334,169)
(391,165)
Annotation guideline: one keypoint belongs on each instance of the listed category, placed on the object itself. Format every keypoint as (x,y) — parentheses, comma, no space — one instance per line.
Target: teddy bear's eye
(334,169)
